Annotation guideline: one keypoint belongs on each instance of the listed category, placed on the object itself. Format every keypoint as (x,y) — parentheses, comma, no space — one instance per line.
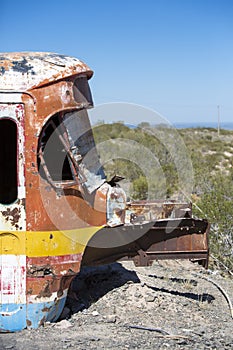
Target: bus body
(57,211)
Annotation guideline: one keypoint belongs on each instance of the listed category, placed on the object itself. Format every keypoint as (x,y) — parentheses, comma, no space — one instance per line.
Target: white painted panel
(13,279)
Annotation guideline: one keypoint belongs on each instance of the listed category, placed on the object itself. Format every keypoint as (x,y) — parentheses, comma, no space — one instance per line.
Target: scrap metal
(55,223)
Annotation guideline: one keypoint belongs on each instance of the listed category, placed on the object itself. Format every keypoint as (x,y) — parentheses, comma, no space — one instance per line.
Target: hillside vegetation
(131,153)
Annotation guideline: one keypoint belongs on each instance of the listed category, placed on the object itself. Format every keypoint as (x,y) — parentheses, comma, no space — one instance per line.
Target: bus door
(12,218)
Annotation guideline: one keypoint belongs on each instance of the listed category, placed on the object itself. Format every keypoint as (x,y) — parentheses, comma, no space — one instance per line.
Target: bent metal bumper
(149,230)
(178,238)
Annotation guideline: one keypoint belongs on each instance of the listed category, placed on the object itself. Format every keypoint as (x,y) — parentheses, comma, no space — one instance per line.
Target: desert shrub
(139,188)
(216,205)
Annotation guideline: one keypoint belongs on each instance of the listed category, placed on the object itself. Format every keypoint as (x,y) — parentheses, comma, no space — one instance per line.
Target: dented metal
(28,70)
(59,212)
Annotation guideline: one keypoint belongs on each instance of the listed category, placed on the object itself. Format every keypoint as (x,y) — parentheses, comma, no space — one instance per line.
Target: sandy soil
(170,305)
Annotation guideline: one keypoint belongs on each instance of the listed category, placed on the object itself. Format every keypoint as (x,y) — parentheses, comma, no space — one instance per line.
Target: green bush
(216,205)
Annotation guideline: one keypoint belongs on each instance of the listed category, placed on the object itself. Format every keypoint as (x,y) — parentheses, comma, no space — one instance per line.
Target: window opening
(82,91)
(8,161)
(53,161)
(67,153)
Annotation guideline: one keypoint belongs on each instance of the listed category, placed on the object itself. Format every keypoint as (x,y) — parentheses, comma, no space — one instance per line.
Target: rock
(150,298)
(63,324)
(137,294)
(110,318)
(95,313)
(130,282)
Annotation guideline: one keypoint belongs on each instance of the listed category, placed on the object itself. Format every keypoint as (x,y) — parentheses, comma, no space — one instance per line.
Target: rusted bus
(57,210)
(40,250)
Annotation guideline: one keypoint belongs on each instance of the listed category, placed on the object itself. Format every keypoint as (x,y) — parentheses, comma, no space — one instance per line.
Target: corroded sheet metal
(116,204)
(180,238)
(36,277)
(156,210)
(25,71)
(55,226)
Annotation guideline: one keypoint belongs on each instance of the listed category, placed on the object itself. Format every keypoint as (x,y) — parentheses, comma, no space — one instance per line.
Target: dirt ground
(170,305)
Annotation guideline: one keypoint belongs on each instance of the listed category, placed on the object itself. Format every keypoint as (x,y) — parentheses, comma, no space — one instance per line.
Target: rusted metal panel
(116,205)
(40,301)
(56,224)
(150,241)
(156,210)
(25,71)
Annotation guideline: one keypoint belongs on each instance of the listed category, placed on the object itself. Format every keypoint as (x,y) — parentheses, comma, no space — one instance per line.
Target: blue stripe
(15,317)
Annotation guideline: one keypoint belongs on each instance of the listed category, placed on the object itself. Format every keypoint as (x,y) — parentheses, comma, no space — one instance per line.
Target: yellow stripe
(46,243)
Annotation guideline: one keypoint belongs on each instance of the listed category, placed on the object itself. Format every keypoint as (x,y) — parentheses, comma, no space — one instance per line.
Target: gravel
(119,306)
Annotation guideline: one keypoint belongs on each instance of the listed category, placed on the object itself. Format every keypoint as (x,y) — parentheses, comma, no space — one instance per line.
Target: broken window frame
(78,176)
(82,92)
(81,154)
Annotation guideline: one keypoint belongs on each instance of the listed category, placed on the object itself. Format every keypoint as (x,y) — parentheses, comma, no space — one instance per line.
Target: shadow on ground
(92,283)
(204,297)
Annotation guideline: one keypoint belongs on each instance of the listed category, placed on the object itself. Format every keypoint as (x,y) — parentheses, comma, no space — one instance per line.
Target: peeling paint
(45,291)
(116,206)
(25,71)
(46,230)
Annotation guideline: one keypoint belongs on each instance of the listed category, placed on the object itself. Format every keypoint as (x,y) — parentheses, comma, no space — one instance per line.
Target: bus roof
(23,71)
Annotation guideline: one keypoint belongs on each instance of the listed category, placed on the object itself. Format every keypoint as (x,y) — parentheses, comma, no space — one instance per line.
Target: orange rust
(6,64)
(82,213)
(47,94)
(45,286)
(53,98)
(53,266)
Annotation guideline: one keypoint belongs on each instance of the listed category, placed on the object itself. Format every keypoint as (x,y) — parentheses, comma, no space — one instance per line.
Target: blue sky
(173,56)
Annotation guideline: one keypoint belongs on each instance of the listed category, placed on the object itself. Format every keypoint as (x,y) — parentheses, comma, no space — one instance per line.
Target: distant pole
(218,120)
